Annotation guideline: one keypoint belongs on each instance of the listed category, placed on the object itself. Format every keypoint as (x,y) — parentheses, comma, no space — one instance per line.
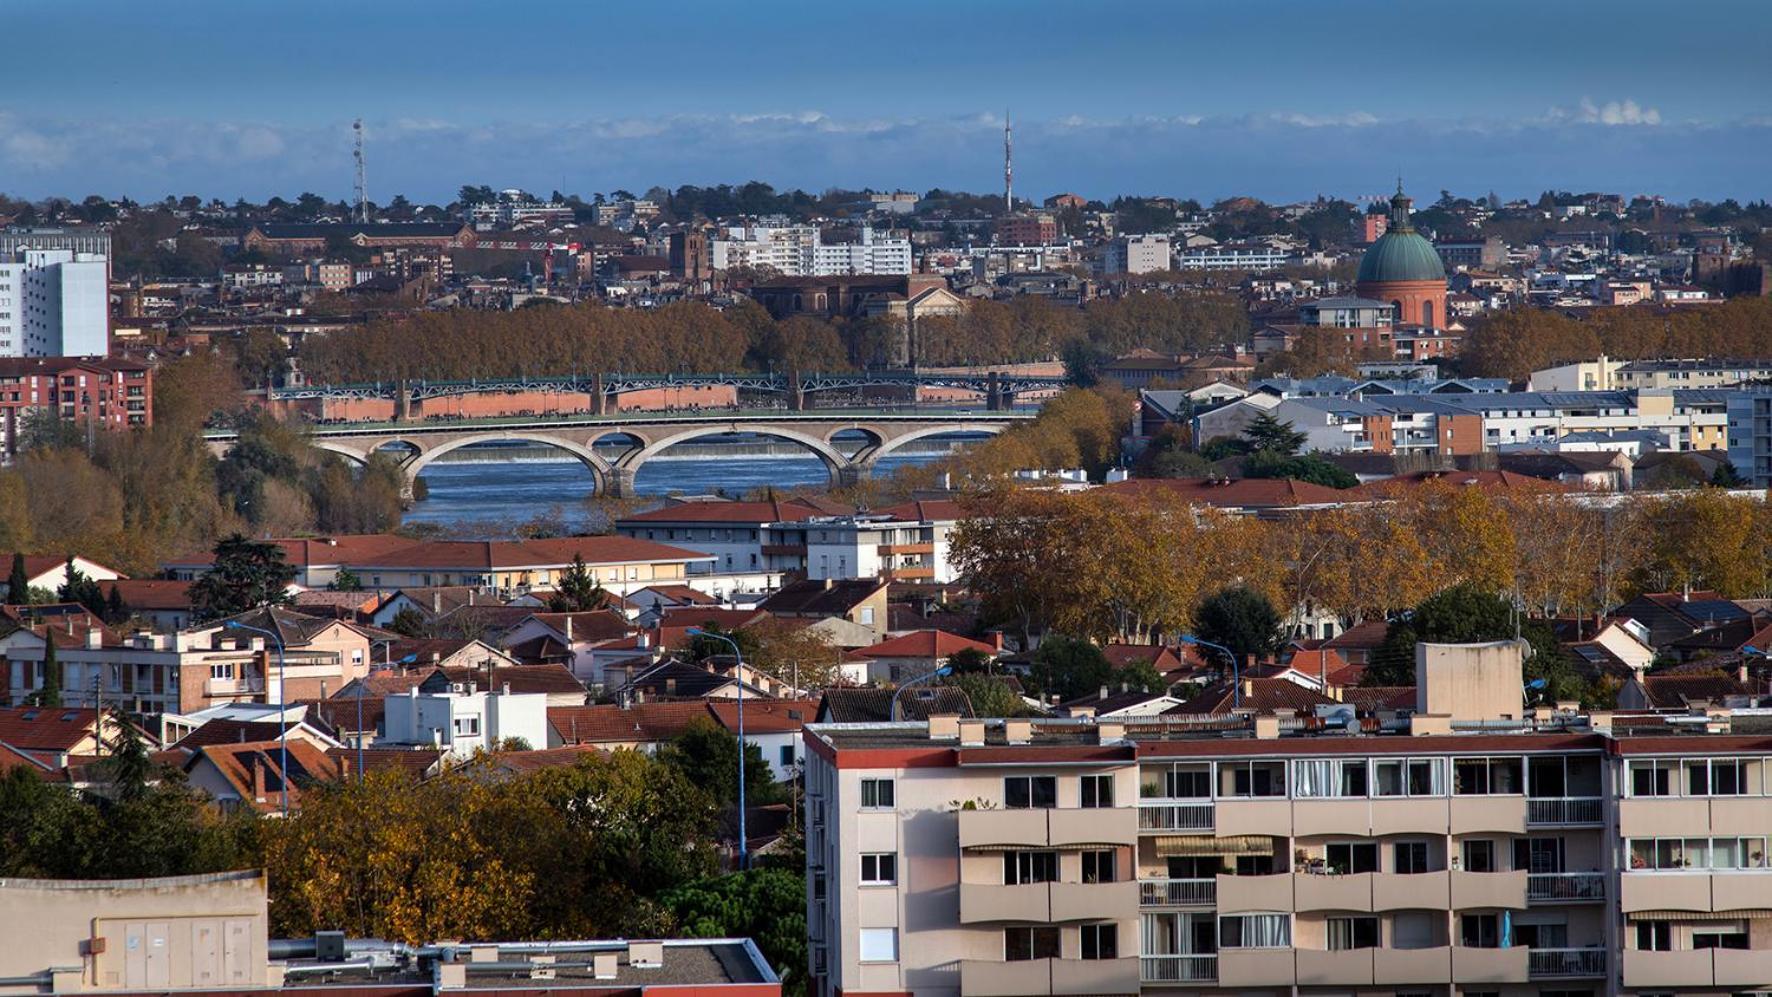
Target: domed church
(1403,268)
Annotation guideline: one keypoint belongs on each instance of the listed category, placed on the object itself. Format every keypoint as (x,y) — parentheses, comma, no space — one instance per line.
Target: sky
(1279,99)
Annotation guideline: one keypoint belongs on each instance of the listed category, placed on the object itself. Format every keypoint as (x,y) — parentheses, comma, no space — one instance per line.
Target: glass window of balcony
(1348,933)
(1250,779)
(1030,792)
(1096,791)
(1409,777)
(1731,936)
(1411,858)
(1479,931)
(1023,944)
(1023,868)
(1687,854)
(1721,776)
(1100,941)
(1486,777)
(1099,867)
(1651,777)
(1255,931)
(1654,936)
(1345,857)
(1176,782)
(1478,855)
(1539,855)
(1333,778)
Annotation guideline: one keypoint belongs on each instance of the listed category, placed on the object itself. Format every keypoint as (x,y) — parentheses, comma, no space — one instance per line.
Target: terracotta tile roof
(749,513)
(13,758)
(609,724)
(683,594)
(150,594)
(225,731)
(521,763)
(765,716)
(1367,635)
(822,596)
(45,728)
(1318,663)
(1371,698)
(596,624)
(875,705)
(244,765)
(309,552)
(38,564)
(1271,695)
(1347,676)
(929,644)
(1673,692)
(1121,655)
(438,599)
(926,511)
(1236,493)
(550,679)
(1485,480)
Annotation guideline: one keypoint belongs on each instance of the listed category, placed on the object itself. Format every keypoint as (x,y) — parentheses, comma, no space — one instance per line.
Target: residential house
(907,656)
(463,718)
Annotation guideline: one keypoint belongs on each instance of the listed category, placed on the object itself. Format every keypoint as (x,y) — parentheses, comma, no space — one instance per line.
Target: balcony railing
(1563,810)
(1544,963)
(1175,816)
(1566,886)
(1177,892)
(1178,968)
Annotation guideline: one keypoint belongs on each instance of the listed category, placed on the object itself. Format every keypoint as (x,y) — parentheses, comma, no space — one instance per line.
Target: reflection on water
(515,491)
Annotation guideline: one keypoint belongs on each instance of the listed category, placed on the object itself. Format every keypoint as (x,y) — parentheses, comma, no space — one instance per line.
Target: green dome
(1401,253)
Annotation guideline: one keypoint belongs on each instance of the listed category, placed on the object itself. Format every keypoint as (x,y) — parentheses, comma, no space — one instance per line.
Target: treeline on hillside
(130,499)
(1136,563)
(694,337)
(613,845)
(1514,343)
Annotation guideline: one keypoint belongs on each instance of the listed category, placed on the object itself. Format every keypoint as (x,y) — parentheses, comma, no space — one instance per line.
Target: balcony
(1167,969)
(1690,968)
(1481,814)
(1177,892)
(1158,818)
(1092,901)
(890,550)
(1566,887)
(1002,828)
(1345,892)
(1472,965)
(1741,968)
(1255,968)
(1268,816)
(1410,891)
(1488,889)
(995,902)
(1351,968)
(1095,976)
(1406,966)
(1561,964)
(1665,891)
(1088,827)
(233,687)
(1563,811)
(1349,817)
(985,978)
(1255,893)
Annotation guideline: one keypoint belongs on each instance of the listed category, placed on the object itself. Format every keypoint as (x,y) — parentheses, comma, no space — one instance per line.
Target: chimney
(258,779)
(568,628)
(96,638)
(1107,733)
(1018,731)
(1267,726)
(470,597)
(997,640)
(1103,693)
(971,733)
(70,626)
(944,727)
(505,690)
(344,766)
(1741,673)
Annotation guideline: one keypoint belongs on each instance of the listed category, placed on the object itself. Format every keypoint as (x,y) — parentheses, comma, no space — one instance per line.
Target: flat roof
(688,962)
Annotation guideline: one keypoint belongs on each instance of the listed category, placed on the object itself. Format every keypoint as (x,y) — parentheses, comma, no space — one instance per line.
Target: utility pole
(362,182)
(1008,166)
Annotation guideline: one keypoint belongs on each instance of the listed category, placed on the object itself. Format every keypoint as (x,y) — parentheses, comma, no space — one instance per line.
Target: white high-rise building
(54,303)
(800,251)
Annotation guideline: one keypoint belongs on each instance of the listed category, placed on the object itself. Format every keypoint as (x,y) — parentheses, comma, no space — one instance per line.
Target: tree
(989,695)
(1069,668)
(18,583)
(1266,433)
(577,590)
(409,622)
(81,589)
(49,694)
(707,755)
(346,580)
(1241,619)
(1142,675)
(766,905)
(246,574)
(1304,467)
(116,610)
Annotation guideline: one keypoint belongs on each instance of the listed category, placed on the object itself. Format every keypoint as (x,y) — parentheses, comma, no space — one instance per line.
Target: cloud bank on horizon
(1614,144)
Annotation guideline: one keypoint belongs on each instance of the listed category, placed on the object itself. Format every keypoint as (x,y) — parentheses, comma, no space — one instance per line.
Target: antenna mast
(362,183)
(1008,166)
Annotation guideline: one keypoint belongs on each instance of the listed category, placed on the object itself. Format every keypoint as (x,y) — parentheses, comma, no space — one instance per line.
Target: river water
(492,497)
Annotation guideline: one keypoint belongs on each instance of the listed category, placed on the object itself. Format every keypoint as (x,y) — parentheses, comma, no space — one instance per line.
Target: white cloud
(1613,112)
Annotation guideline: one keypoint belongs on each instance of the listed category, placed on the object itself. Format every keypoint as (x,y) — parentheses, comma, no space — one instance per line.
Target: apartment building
(54,303)
(1750,436)
(1134,254)
(1445,851)
(800,251)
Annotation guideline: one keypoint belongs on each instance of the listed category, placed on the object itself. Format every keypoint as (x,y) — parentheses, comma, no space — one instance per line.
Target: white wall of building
(54,302)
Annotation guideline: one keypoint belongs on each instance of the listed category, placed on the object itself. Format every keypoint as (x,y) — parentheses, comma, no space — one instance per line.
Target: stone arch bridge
(650,434)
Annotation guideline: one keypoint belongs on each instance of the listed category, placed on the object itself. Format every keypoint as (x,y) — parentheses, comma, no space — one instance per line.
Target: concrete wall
(1470,681)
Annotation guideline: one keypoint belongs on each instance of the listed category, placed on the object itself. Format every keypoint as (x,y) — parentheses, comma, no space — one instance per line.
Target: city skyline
(1143,99)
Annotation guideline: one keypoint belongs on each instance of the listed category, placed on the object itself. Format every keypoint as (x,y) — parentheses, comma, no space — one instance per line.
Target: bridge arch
(628,466)
(351,454)
(600,469)
(867,458)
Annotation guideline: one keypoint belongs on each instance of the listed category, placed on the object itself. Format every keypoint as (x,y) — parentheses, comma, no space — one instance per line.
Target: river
(492,497)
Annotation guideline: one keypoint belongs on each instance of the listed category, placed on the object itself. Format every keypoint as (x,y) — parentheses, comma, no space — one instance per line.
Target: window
(1254,931)
(1352,933)
(879,945)
(1022,944)
(1679,854)
(1177,782)
(1329,778)
(1100,941)
(1098,867)
(1409,777)
(222,671)
(1538,855)
(876,794)
(467,726)
(1348,857)
(1651,777)
(1252,779)
(1035,792)
(1732,936)
(1410,857)
(786,756)
(1254,865)
(1479,855)
(1655,936)
(879,869)
(1720,776)
(1479,931)
(1022,868)
(1096,791)
(1486,776)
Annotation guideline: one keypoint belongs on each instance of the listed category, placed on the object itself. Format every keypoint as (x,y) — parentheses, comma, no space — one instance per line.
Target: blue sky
(1280,100)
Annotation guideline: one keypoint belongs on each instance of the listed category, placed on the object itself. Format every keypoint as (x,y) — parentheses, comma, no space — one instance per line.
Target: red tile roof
(1263,696)
(494,554)
(614,724)
(1236,493)
(789,511)
(925,510)
(46,728)
(931,644)
(767,716)
(150,593)
(307,552)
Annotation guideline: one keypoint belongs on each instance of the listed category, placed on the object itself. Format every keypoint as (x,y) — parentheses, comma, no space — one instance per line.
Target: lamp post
(282,706)
(407,660)
(892,712)
(1236,670)
(744,854)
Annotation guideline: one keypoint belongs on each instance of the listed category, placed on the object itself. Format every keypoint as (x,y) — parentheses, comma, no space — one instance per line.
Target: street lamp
(282,706)
(409,659)
(1236,671)
(744,855)
(892,712)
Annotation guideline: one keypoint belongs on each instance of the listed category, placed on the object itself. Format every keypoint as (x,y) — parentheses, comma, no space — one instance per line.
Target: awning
(1201,845)
(1753,914)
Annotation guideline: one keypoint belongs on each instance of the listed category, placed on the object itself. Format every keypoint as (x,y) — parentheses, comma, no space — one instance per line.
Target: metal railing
(1563,810)
(1177,892)
(1566,962)
(1575,886)
(1175,816)
(1178,968)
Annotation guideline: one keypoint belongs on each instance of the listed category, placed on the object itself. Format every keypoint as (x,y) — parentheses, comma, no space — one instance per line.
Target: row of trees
(1521,340)
(1130,565)
(614,845)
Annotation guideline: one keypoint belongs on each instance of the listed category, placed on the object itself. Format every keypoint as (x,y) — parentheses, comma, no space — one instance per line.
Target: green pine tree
(18,584)
(50,694)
